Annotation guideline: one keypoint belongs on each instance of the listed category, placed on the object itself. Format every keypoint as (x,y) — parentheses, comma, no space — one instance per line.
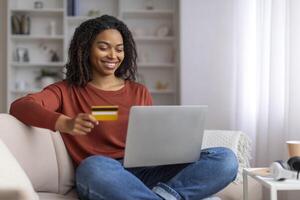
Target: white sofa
(34,164)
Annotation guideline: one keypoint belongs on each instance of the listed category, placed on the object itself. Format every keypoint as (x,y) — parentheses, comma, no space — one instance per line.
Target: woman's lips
(110,65)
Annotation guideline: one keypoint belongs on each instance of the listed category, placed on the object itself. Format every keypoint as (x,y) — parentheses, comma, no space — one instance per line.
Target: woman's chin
(108,72)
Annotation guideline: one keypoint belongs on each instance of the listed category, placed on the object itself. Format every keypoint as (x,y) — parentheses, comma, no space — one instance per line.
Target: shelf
(76,19)
(25,91)
(154,91)
(41,64)
(37,37)
(153,39)
(148,13)
(156,65)
(42,11)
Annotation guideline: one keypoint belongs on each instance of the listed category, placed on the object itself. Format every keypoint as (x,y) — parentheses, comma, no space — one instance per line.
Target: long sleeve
(39,109)
(148,101)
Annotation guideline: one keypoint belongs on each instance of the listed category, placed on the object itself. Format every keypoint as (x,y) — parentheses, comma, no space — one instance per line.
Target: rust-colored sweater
(108,138)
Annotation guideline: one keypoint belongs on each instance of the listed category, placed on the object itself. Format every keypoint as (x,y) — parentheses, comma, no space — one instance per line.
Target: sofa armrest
(14,183)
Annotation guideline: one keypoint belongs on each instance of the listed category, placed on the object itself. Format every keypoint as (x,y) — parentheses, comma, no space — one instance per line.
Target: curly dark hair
(79,70)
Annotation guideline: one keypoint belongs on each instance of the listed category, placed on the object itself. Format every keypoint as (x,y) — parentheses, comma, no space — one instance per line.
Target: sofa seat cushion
(72,195)
(234,191)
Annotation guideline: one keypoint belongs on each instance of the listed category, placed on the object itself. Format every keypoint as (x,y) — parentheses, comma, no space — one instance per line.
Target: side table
(260,175)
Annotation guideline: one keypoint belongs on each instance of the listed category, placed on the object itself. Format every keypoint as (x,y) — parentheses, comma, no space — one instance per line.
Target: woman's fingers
(82,128)
(93,119)
(84,123)
(88,117)
(78,132)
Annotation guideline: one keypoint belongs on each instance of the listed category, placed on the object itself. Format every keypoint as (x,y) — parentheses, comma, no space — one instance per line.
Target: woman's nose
(112,54)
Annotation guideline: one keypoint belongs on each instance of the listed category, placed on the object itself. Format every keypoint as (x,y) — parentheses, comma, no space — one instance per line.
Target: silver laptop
(161,135)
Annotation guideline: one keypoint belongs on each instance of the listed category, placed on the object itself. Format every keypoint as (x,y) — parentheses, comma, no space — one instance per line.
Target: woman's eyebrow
(103,42)
(107,43)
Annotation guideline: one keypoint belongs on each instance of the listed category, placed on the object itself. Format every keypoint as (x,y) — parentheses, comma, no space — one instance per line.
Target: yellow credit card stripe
(106,117)
(105,113)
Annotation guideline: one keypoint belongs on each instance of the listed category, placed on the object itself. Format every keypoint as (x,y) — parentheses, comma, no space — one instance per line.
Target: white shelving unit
(154,24)
(33,34)
(40,11)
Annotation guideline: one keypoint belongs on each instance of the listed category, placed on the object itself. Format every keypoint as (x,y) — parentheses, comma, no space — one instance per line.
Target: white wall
(294,105)
(2,55)
(207,45)
(294,81)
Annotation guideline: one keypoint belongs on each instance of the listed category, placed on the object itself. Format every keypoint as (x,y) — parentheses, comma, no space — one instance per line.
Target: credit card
(105,113)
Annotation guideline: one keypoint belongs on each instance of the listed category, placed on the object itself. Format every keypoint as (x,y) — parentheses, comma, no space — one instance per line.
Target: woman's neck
(108,83)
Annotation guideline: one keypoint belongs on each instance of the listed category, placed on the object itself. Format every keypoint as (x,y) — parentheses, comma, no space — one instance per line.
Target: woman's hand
(82,124)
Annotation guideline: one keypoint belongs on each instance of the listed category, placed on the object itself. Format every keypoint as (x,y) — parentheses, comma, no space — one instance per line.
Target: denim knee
(98,160)
(103,178)
(96,167)
(94,176)
(229,162)
(226,160)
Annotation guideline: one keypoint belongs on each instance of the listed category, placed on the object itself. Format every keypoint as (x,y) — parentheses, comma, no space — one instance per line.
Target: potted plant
(47,77)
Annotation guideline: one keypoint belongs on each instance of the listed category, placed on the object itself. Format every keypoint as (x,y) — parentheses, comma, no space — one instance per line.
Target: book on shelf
(73,7)
(76,7)
(70,7)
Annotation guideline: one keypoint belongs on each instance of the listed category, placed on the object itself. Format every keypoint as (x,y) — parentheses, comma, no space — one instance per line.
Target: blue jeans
(103,178)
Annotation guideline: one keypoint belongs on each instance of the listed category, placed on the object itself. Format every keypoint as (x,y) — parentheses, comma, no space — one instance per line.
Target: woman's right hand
(82,124)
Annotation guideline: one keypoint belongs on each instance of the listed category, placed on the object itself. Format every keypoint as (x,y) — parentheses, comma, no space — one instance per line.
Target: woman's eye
(120,50)
(103,48)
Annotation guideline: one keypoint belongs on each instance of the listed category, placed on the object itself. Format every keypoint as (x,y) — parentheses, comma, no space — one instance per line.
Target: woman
(101,71)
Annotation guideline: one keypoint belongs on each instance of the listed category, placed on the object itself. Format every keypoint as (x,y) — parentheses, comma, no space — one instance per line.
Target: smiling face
(107,53)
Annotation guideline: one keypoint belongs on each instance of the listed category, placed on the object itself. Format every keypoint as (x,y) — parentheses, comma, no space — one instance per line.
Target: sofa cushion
(71,195)
(234,191)
(65,165)
(14,183)
(34,150)
(41,153)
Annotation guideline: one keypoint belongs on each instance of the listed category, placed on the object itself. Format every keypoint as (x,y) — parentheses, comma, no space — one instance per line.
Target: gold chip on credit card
(105,113)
